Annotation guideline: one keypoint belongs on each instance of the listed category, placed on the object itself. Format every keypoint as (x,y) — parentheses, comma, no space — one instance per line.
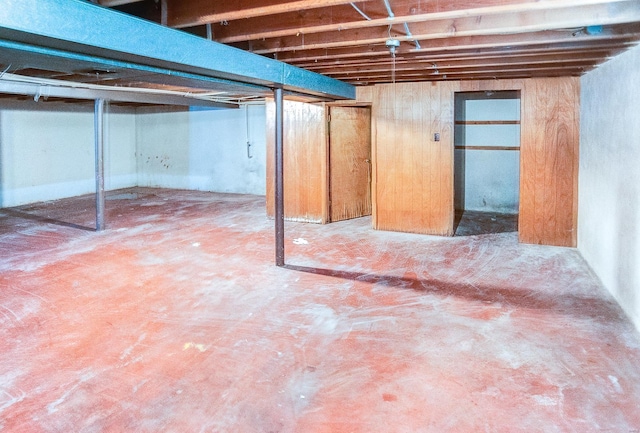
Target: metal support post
(98,122)
(279,165)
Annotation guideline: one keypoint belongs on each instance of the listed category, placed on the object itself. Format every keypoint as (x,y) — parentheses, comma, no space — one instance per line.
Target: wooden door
(349,162)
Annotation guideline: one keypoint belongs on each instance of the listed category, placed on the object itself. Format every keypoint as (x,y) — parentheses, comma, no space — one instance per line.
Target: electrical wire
(360,12)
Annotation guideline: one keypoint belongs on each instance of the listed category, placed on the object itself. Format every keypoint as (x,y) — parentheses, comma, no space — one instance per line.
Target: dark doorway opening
(486,162)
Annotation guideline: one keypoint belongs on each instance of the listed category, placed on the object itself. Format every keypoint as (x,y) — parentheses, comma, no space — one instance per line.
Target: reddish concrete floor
(176,320)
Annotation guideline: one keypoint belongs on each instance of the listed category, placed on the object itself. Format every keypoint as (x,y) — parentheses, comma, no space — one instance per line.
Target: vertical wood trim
(448,90)
(304,158)
(270,116)
(374,157)
(433,167)
(349,156)
(325,170)
(527,183)
(576,160)
(323,162)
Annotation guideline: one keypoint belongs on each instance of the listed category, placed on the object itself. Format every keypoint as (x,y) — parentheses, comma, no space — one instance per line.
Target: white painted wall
(203,149)
(488,180)
(47,150)
(609,177)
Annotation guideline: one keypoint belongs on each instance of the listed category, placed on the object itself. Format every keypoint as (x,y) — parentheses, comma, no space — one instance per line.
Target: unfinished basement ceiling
(437,39)
(75,49)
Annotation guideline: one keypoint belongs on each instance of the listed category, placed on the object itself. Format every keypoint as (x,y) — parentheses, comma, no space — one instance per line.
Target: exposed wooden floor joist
(326,36)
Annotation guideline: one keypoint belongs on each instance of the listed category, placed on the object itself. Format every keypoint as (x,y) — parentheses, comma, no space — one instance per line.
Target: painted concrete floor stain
(175,319)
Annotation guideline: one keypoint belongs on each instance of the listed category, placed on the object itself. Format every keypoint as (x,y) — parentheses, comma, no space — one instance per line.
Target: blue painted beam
(17,56)
(83,28)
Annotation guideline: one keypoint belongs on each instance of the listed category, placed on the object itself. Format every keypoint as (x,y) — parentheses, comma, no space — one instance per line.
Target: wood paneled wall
(305,161)
(549,161)
(413,175)
(549,146)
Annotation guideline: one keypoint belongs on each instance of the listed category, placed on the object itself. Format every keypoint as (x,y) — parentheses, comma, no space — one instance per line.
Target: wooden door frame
(326,175)
(531,89)
(519,98)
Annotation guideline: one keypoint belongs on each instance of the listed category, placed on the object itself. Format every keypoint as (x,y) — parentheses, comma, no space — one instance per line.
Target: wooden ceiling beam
(469,55)
(188,13)
(460,77)
(623,34)
(286,24)
(446,69)
(494,60)
(532,50)
(338,16)
(345,17)
(323,21)
(511,23)
(467,74)
(462,39)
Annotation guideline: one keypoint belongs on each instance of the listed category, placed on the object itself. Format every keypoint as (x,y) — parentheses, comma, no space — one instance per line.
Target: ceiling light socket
(392,43)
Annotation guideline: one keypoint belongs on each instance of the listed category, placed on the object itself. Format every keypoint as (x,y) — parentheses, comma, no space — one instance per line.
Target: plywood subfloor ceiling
(438,39)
